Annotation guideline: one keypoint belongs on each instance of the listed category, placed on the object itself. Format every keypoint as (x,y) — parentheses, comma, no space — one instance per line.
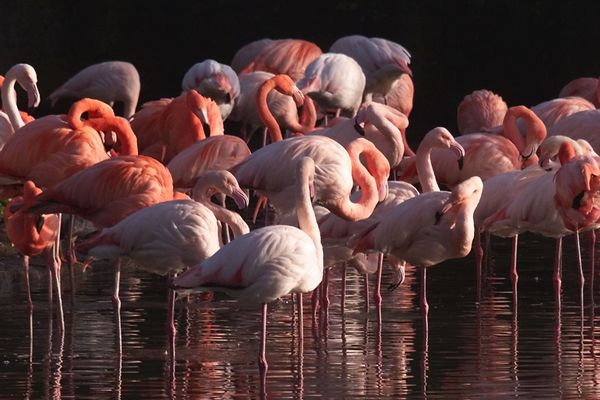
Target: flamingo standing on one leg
(269,262)
(109,81)
(33,236)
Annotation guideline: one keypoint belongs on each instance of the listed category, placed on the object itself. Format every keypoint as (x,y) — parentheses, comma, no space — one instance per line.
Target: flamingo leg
(117,306)
(300,317)
(581,276)
(377,294)
(424,303)
(343,296)
(71,258)
(325,289)
(53,260)
(514,276)
(367,303)
(29,302)
(478,262)
(171,328)
(557,268)
(592,260)
(262,355)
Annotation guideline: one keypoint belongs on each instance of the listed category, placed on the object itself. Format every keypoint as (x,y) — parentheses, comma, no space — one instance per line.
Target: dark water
(486,350)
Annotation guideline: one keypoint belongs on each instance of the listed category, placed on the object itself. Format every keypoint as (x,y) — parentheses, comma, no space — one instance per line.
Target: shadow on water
(485,349)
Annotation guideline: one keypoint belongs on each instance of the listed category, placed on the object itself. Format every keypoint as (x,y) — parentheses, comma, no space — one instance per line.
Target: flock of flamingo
(334,166)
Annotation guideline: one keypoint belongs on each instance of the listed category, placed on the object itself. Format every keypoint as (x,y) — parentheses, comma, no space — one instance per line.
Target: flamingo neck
(9,99)
(307,220)
(425,170)
(215,121)
(125,136)
(308,118)
(94,108)
(232,219)
(369,196)
(389,123)
(265,114)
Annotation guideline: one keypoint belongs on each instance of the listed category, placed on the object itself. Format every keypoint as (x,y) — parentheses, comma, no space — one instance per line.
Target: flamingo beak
(459,151)
(298,96)
(383,190)
(33,96)
(240,198)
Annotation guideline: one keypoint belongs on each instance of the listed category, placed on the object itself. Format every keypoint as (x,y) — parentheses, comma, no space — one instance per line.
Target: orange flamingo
(480,110)
(487,154)
(165,127)
(248,52)
(50,149)
(214,80)
(109,81)
(284,56)
(32,236)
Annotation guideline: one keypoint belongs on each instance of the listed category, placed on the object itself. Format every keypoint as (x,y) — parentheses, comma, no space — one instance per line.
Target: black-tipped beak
(461,162)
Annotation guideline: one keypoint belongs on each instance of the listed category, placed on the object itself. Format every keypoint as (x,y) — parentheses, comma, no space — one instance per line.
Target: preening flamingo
(552,111)
(220,152)
(587,88)
(50,149)
(487,154)
(26,76)
(400,96)
(215,80)
(34,235)
(336,170)
(581,125)
(480,110)
(109,81)
(548,151)
(335,82)
(167,126)
(268,262)
(247,53)
(382,61)
(284,56)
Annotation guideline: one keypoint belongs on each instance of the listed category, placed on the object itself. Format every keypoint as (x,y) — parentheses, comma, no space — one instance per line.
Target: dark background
(523,50)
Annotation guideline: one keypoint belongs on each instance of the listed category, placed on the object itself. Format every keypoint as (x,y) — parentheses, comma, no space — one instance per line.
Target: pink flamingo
(167,126)
(109,81)
(269,262)
(480,110)
(248,52)
(548,152)
(581,125)
(586,88)
(167,237)
(382,61)
(335,82)
(400,95)
(33,236)
(552,111)
(337,169)
(336,232)
(426,230)
(487,154)
(215,80)
(284,56)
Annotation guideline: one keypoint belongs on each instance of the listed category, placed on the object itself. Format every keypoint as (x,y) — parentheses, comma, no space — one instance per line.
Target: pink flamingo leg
(377,295)
(29,302)
(592,260)
(478,262)
(262,355)
(325,289)
(171,329)
(315,303)
(581,276)
(343,301)
(557,268)
(53,260)
(424,303)
(71,257)
(514,276)
(117,306)
(367,303)
(300,317)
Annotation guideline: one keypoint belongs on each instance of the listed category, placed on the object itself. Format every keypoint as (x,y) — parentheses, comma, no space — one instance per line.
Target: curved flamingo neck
(307,221)
(566,153)
(125,136)
(263,110)
(369,196)
(425,169)
(390,123)
(94,108)
(535,128)
(215,120)
(9,99)
(308,118)
(232,219)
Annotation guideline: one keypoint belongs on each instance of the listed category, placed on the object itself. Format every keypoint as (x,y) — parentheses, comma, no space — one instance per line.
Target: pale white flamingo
(26,76)
(109,81)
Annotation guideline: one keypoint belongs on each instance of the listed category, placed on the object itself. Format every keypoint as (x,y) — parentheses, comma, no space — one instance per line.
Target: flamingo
(26,76)
(382,61)
(335,82)
(552,111)
(548,151)
(258,102)
(33,236)
(400,96)
(167,126)
(215,80)
(480,110)
(426,230)
(247,53)
(268,262)
(213,153)
(167,237)
(284,56)
(583,87)
(50,149)
(109,81)
(487,154)
(581,125)
(336,168)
